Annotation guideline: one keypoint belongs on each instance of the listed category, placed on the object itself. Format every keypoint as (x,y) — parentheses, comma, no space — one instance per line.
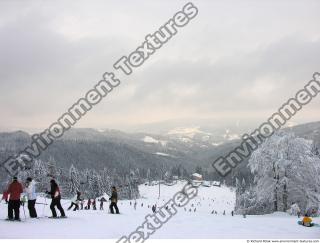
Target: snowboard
(312,224)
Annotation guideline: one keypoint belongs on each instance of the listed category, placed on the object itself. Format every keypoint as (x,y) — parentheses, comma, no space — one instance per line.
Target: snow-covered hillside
(196,222)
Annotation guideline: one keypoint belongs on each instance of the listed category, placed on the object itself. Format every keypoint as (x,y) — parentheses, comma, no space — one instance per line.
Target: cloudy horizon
(234,63)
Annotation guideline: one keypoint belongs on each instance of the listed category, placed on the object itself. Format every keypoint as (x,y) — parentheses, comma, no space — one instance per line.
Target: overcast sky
(233,62)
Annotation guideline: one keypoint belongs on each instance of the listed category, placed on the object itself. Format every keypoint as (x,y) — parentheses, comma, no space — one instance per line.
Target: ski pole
(24,212)
(44,205)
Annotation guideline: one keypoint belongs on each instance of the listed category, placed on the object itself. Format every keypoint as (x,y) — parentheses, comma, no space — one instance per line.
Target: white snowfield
(188,224)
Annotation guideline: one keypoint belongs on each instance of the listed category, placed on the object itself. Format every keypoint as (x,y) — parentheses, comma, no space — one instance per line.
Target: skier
(94,204)
(114,200)
(135,205)
(102,200)
(75,201)
(56,198)
(154,207)
(5,196)
(81,204)
(88,204)
(14,190)
(224,212)
(30,191)
(232,213)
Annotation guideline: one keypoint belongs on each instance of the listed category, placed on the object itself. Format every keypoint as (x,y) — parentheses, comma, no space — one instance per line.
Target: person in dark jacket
(114,200)
(88,204)
(56,198)
(102,200)
(94,207)
(154,208)
(14,190)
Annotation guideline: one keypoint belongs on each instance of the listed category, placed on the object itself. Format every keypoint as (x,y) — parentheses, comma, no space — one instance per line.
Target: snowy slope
(199,224)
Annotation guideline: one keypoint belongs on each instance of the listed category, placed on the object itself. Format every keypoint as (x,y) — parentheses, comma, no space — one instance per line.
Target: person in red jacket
(14,190)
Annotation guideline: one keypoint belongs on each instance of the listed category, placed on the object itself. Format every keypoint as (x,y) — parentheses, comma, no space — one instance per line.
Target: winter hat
(29,179)
(52,181)
(15,178)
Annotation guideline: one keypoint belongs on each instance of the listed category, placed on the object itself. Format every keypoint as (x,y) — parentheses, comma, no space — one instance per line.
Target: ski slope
(200,224)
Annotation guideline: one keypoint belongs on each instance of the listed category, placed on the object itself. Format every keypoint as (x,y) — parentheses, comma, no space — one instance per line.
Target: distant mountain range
(188,146)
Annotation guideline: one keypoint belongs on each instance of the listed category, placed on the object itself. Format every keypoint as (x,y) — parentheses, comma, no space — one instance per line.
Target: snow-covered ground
(200,224)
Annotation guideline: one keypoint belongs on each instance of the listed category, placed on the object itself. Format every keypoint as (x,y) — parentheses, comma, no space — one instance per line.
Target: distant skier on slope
(88,204)
(135,205)
(14,190)
(56,198)
(102,200)
(114,200)
(81,204)
(94,204)
(154,208)
(30,191)
(75,201)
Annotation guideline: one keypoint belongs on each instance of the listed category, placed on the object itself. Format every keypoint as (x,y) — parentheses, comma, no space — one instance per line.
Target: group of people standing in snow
(18,194)
(12,197)
(78,203)
(28,190)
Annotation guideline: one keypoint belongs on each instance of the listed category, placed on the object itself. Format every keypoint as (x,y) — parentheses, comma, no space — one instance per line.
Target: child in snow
(102,200)
(307,221)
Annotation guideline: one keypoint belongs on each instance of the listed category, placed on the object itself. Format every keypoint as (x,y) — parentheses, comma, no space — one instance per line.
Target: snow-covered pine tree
(286,171)
(106,181)
(74,180)
(149,177)
(95,185)
(52,169)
